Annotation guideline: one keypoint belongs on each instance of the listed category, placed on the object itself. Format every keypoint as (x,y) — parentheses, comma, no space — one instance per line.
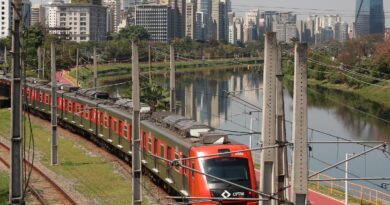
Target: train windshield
(227,168)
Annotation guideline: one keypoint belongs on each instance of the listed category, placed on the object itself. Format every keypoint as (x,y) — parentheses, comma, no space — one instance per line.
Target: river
(203,97)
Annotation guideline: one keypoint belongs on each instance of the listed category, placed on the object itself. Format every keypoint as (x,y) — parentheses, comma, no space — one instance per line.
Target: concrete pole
(150,64)
(172,79)
(94,69)
(268,178)
(77,66)
(299,133)
(346,181)
(136,139)
(5,55)
(39,59)
(54,143)
(282,160)
(16,179)
(43,63)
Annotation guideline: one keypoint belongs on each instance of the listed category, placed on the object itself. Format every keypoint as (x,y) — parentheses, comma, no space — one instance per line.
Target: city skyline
(346,9)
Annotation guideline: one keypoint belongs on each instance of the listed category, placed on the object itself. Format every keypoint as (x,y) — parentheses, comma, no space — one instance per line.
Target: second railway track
(43,188)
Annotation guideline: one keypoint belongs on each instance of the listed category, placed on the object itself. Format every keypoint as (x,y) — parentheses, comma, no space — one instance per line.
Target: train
(165,137)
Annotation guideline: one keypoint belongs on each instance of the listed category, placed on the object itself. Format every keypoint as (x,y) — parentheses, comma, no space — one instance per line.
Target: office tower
(219,20)
(190,29)
(369,17)
(114,12)
(156,19)
(341,32)
(38,15)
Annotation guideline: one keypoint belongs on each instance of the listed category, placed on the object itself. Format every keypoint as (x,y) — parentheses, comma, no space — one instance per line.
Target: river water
(203,97)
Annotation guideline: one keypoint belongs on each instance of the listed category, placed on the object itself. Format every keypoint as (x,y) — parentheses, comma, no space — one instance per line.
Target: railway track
(44,189)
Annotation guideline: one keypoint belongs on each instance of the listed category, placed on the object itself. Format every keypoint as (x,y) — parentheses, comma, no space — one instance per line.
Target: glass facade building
(369,17)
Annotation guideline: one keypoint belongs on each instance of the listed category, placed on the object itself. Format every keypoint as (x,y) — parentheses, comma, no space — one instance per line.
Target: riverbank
(122,71)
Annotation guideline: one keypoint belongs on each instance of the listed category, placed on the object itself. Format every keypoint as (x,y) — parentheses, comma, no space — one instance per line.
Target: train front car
(218,158)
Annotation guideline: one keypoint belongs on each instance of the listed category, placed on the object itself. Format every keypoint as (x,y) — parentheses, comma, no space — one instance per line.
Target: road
(315,198)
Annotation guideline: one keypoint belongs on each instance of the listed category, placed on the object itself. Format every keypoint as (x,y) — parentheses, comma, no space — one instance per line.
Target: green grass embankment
(89,174)
(3,187)
(122,71)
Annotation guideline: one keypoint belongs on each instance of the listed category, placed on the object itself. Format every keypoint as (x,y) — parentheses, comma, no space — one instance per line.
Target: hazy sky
(306,7)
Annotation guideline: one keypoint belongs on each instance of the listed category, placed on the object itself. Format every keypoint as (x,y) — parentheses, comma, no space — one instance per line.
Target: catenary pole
(282,160)
(268,178)
(299,134)
(94,69)
(43,62)
(136,139)
(39,58)
(77,66)
(16,179)
(54,142)
(150,63)
(172,80)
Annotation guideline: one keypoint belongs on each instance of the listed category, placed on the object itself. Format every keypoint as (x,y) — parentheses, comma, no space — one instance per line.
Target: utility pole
(16,179)
(346,177)
(77,66)
(282,160)
(150,64)
(268,177)
(136,139)
(299,132)
(94,69)
(5,59)
(39,58)
(54,143)
(172,79)
(43,63)
(250,136)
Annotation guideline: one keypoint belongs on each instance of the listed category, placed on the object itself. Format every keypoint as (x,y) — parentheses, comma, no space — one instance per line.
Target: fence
(357,193)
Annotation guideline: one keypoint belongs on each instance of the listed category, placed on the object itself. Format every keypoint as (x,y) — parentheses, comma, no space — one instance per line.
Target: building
(38,15)
(191,26)
(369,17)
(239,29)
(82,22)
(341,32)
(156,19)
(204,19)
(178,12)
(219,19)
(6,16)
(113,15)
(387,34)
(232,37)
(285,26)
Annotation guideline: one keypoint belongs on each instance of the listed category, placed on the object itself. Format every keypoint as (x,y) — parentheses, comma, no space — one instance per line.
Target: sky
(306,7)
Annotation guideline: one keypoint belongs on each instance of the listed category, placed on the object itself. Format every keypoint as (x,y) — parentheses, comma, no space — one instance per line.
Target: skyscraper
(369,17)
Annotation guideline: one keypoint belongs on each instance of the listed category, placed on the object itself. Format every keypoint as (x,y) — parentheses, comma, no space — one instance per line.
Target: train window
(114,128)
(120,127)
(155,146)
(47,99)
(162,151)
(177,168)
(144,140)
(228,168)
(125,131)
(69,106)
(86,112)
(40,97)
(102,119)
(105,121)
(169,153)
(77,109)
(150,143)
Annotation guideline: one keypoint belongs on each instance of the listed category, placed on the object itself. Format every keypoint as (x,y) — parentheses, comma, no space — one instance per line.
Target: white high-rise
(5,18)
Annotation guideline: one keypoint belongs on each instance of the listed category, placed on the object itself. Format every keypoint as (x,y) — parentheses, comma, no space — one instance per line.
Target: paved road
(315,198)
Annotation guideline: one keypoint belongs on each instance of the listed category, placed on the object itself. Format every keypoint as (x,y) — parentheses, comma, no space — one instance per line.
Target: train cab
(219,159)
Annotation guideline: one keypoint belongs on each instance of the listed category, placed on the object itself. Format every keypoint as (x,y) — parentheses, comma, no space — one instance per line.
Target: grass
(3,187)
(92,176)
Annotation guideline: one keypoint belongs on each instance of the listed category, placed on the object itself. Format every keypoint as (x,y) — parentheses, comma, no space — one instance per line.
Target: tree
(133,33)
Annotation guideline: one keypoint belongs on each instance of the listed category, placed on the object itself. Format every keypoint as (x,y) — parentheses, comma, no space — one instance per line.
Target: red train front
(222,161)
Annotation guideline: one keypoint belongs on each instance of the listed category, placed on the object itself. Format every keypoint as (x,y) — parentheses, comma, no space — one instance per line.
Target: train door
(101,124)
(144,137)
(155,143)
(185,174)
(169,157)
(109,127)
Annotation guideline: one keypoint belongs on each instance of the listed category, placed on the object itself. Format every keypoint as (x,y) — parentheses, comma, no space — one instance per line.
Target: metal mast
(268,178)
(136,139)
(150,63)
(16,184)
(77,66)
(172,80)
(299,133)
(54,142)
(39,58)
(94,69)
